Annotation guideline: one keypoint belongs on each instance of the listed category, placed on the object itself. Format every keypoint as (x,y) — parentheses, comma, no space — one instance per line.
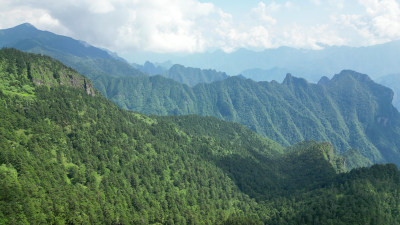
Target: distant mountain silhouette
(86,59)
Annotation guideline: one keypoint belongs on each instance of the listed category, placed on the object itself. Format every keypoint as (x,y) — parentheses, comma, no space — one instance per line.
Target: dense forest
(70,156)
(350,111)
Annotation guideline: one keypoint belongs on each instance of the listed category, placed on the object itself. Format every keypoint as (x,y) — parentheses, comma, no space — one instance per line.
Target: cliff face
(39,70)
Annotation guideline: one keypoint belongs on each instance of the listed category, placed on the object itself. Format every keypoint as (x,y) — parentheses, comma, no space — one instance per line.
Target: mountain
(86,59)
(185,75)
(350,110)
(392,81)
(376,60)
(94,62)
(192,76)
(70,156)
(150,68)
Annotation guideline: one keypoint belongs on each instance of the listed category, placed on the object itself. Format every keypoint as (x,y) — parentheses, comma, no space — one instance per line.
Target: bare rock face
(89,87)
(56,74)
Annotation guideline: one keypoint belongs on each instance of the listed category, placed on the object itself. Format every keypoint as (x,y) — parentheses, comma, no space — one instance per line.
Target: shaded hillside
(350,111)
(393,82)
(88,60)
(68,157)
(193,76)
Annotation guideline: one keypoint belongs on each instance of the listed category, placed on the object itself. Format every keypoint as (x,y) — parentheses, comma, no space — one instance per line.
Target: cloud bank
(193,26)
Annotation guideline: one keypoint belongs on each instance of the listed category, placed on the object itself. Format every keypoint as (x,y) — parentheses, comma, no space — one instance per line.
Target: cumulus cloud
(193,26)
(261,12)
(380,22)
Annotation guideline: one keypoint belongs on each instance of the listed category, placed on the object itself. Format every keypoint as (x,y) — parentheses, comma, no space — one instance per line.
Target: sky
(191,26)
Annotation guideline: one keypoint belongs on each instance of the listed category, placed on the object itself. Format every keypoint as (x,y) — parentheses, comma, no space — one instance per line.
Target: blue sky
(189,26)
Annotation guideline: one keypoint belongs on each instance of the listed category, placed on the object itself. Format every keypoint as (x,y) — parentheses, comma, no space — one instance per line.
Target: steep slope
(86,59)
(350,111)
(392,81)
(19,71)
(68,157)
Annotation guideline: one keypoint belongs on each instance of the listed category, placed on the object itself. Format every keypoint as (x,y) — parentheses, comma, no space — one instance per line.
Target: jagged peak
(178,66)
(352,74)
(324,80)
(25,26)
(351,79)
(148,63)
(290,80)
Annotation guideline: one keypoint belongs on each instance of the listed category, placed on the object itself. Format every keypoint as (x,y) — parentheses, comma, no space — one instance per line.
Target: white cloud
(101,6)
(316,2)
(261,12)
(193,26)
(380,22)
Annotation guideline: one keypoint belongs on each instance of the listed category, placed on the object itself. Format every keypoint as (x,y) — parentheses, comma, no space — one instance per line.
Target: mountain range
(70,156)
(273,64)
(88,60)
(376,60)
(185,75)
(94,62)
(350,110)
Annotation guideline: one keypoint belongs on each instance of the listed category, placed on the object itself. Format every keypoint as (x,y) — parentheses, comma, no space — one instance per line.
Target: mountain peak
(351,80)
(324,80)
(352,74)
(25,26)
(290,80)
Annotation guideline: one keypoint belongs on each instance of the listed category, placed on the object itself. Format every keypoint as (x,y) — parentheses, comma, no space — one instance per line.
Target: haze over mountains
(376,61)
(88,60)
(70,156)
(185,75)
(350,111)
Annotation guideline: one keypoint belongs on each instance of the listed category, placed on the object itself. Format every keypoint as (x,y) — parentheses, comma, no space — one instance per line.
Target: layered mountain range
(377,60)
(350,110)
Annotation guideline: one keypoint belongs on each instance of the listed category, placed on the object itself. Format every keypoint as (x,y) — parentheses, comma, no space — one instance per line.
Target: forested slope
(69,156)
(350,111)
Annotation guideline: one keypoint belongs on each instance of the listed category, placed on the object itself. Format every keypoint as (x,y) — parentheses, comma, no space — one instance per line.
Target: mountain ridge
(68,157)
(377,60)
(86,59)
(347,110)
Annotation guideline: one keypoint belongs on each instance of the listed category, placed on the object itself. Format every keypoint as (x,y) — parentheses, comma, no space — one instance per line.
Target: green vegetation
(68,157)
(350,111)
(18,72)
